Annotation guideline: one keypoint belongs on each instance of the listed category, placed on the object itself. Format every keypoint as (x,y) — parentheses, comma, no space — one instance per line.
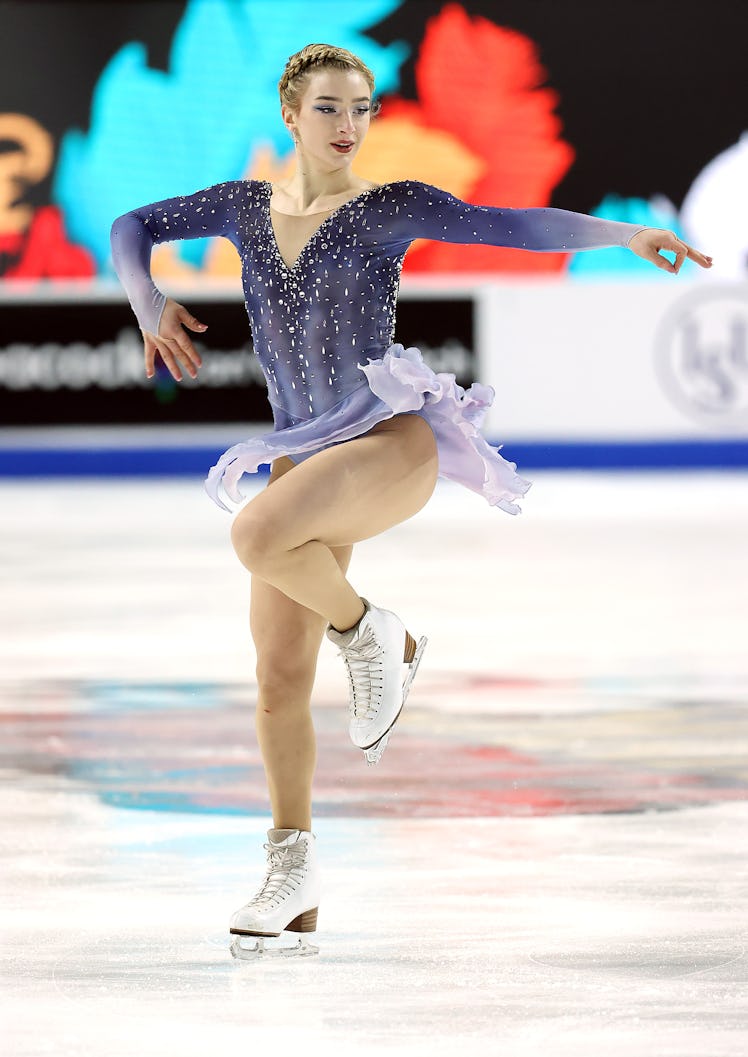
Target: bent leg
(287,638)
(341,495)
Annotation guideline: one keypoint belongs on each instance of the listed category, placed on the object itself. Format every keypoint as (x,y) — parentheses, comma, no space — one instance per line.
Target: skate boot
(374,652)
(286,902)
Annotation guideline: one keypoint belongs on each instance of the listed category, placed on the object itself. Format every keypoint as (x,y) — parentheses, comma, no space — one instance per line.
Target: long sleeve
(212,211)
(427,212)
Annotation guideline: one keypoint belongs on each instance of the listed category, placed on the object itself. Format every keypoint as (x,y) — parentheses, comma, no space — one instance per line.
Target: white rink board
(615,361)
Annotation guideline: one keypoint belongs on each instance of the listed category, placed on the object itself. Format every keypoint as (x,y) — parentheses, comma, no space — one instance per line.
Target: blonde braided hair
(313,57)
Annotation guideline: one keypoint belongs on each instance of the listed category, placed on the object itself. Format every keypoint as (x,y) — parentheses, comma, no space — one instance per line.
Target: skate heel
(410,648)
(306,922)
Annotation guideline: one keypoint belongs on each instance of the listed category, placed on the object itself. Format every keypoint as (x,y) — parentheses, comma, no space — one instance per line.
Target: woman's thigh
(349,492)
(287,635)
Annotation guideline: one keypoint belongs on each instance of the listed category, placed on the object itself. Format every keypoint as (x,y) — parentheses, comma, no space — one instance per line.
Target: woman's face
(334,111)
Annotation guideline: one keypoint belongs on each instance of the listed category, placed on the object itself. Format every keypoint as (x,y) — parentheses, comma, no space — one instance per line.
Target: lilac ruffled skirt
(398,382)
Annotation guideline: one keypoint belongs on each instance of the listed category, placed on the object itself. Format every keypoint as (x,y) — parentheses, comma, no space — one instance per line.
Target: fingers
(699,258)
(650,242)
(174,347)
(191,322)
(668,241)
(177,356)
(150,354)
(682,250)
(183,349)
(662,262)
(172,357)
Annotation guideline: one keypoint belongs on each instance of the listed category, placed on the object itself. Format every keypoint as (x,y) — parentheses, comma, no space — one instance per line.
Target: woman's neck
(308,191)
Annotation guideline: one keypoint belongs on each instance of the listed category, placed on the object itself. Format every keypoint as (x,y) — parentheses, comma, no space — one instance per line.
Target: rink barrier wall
(189,461)
(586,376)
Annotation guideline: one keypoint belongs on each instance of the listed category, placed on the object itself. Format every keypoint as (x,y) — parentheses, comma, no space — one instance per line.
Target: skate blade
(373,754)
(257,948)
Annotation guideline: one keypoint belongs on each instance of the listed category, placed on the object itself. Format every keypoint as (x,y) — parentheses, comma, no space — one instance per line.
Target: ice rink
(550,858)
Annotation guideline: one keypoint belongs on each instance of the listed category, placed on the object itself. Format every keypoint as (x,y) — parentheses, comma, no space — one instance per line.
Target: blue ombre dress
(323,329)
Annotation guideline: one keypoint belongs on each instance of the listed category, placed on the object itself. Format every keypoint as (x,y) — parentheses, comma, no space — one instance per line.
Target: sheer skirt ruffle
(398,382)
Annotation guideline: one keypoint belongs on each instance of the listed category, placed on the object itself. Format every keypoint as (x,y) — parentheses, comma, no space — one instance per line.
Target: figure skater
(362,426)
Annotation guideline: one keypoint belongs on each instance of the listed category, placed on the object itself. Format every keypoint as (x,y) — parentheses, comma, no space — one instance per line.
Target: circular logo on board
(701,356)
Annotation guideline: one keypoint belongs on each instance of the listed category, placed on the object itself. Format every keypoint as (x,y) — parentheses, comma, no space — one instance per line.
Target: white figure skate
(286,902)
(374,653)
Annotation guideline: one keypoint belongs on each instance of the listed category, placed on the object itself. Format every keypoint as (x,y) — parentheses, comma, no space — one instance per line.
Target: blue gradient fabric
(323,329)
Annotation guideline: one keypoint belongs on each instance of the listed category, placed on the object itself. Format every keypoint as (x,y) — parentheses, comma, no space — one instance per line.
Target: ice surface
(550,858)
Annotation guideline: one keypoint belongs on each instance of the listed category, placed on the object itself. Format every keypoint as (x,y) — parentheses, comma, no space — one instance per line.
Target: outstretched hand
(172,342)
(650,241)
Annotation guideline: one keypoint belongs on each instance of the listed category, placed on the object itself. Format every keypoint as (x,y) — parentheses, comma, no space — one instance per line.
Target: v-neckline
(269,193)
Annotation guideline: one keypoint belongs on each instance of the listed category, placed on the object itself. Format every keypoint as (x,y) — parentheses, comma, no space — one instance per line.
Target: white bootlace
(285,873)
(363,661)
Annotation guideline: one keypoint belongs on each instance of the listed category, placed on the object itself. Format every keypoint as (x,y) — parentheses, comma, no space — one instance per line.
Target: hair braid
(317,57)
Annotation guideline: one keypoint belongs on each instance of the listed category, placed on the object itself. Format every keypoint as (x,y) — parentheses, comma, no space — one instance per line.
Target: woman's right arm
(212,211)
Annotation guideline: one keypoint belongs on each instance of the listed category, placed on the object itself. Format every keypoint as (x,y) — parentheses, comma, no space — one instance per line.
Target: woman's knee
(287,638)
(255,539)
(285,676)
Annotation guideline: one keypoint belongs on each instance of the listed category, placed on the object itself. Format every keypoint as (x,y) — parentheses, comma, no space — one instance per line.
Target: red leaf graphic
(44,251)
(481,83)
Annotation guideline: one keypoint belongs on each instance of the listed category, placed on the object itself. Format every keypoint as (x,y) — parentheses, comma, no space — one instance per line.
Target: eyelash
(331,110)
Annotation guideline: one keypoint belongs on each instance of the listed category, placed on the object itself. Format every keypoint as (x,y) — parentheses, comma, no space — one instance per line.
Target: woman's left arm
(428,212)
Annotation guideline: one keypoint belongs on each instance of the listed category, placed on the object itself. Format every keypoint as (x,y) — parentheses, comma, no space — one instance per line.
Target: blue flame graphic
(154,134)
